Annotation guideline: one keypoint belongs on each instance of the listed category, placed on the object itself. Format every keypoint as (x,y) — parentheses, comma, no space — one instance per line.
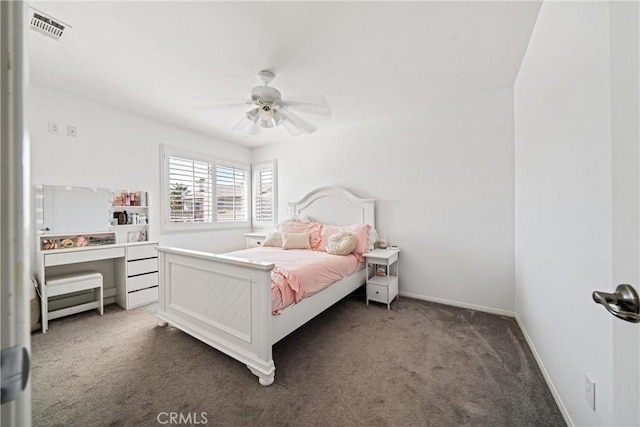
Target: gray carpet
(421,364)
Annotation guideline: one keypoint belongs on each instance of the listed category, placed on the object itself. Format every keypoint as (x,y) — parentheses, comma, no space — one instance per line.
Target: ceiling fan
(270,110)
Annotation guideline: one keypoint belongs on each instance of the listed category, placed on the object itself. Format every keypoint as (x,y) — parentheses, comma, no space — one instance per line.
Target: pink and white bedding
(300,273)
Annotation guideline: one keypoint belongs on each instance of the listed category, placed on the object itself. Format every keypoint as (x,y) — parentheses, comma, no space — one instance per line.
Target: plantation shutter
(232,194)
(190,191)
(264,195)
(265,187)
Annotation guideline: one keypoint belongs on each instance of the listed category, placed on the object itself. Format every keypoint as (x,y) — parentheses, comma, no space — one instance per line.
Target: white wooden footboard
(223,301)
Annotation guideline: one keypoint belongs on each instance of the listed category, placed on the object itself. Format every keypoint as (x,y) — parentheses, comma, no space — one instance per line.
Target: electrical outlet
(53,128)
(72,131)
(590,391)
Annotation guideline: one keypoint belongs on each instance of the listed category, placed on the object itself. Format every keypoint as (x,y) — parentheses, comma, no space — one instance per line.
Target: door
(625,134)
(15,224)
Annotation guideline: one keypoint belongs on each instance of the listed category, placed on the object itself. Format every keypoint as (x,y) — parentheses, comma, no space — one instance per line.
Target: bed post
(261,325)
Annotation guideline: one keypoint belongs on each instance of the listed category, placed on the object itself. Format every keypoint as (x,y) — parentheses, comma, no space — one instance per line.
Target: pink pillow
(361,232)
(313,229)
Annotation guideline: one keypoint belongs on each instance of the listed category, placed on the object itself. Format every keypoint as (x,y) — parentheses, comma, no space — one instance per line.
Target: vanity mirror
(72,210)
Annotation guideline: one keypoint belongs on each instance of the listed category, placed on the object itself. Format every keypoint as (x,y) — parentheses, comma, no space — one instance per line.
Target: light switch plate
(590,391)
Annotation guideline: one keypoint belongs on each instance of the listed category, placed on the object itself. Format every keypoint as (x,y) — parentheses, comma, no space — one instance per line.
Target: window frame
(247,170)
(166,226)
(264,165)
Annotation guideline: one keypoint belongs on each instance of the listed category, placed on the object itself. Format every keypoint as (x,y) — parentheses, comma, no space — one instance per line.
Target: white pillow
(273,239)
(295,241)
(341,243)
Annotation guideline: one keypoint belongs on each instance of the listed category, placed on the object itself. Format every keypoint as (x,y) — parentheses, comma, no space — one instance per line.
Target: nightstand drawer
(377,293)
(254,242)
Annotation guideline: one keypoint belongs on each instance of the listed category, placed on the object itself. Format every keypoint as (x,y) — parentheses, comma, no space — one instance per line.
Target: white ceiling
(368,59)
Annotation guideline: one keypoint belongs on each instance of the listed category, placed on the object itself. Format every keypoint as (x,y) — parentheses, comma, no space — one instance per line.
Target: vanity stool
(66,284)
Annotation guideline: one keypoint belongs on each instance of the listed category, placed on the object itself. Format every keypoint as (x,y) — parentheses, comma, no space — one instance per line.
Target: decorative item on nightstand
(382,275)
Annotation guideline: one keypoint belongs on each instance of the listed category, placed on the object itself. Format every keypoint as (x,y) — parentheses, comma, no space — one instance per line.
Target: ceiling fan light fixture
(253,115)
(269,111)
(266,113)
(267,123)
(278,117)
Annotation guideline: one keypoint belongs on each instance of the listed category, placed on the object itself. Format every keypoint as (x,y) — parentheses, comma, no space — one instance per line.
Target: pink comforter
(300,273)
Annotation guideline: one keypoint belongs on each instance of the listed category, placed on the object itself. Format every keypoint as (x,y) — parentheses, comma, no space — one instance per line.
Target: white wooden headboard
(335,205)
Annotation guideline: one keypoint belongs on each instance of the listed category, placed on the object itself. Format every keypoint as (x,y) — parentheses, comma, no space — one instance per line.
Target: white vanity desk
(135,270)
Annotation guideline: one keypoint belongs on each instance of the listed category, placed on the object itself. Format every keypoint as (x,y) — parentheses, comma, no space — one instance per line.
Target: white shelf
(131,232)
(124,208)
(382,280)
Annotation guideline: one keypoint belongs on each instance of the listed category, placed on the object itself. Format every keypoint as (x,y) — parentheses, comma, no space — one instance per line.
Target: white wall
(443,183)
(118,149)
(564,214)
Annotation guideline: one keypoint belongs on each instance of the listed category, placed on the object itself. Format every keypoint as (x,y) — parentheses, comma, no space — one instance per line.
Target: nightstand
(255,239)
(382,275)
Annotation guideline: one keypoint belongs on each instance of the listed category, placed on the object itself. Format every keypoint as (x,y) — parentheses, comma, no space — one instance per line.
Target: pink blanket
(300,273)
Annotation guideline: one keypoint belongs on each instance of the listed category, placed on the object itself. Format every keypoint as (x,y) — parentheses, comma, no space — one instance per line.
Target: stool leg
(44,309)
(101,301)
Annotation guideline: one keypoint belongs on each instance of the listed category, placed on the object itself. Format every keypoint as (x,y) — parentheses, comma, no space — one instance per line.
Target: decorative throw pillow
(273,239)
(361,232)
(313,229)
(295,241)
(342,243)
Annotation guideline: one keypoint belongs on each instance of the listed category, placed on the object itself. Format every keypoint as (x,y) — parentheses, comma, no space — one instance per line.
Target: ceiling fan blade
(206,107)
(241,124)
(291,127)
(213,102)
(307,107)
(297,121)
(218,99)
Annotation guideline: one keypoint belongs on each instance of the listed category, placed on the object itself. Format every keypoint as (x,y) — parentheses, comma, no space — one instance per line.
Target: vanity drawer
(143,281)
(141,252)
(142,266)
(145,296)
(82,255)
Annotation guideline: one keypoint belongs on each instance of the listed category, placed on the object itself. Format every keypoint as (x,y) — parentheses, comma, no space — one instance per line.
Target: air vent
(48,26)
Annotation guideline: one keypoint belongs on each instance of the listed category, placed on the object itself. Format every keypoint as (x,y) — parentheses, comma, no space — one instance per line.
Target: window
(203,193)
(232,193)
(265,186)
(189,191)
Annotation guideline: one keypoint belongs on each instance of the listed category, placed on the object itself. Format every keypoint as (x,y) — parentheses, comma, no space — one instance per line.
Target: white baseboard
(458,304)
(545,374)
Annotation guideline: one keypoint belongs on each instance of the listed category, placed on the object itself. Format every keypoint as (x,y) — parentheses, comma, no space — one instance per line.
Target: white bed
(226,302)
